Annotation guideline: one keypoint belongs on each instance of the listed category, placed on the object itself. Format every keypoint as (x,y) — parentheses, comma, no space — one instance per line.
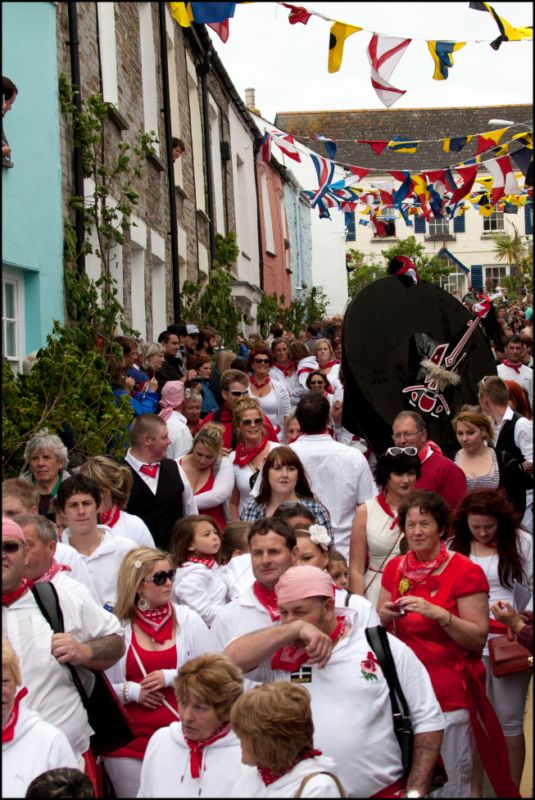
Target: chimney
(250,101)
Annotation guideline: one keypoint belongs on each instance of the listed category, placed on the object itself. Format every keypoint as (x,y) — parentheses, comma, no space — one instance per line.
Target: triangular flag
(455,144)
(182,13)
(376,145)
(489,139)
(401,145)
(204,13)
(339,33)
(297,14)
(442,55)
(221,28)
(504,180)
(384,53)
(468,176)
(508,33)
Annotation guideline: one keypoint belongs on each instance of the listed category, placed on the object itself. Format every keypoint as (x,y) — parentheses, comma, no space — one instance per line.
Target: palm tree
(510,248)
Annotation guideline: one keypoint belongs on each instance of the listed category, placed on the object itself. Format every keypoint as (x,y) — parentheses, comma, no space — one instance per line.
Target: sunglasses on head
(255,421)
(160,578)
(11,547)
(398,451)
(261,360)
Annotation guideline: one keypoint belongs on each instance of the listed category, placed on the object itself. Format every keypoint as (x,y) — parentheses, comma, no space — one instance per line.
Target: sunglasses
(255,421)
(261,360)
(238,394)
(317,383)
(11,547)
(398,451)
(161,578)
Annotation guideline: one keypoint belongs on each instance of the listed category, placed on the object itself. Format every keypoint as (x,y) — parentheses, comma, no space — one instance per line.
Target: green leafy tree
(361,272)
(309,308)
(430,268)
(518,253)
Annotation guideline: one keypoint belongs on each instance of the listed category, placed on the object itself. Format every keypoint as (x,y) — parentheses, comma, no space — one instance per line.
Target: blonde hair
(276,721)
(212,678)
(478,419)
(210,435)
(243,405)
(135,567)
(318,342)
(224,359)
(23,490)
(149,350)
(11,661)
(116,478)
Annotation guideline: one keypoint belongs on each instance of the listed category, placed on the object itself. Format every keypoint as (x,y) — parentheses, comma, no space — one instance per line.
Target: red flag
(297,14)
(376,145)
(468,174)
(221,28)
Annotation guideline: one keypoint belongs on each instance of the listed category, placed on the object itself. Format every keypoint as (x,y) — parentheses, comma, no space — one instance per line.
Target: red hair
(519,398)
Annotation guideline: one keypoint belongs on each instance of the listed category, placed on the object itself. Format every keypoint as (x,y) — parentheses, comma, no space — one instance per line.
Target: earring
(143,604)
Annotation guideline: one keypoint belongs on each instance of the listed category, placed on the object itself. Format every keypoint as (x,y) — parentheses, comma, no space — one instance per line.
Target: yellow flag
(339,33)
(182,13)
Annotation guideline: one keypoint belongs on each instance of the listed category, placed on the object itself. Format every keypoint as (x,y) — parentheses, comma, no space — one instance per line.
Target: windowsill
(491,234)
(156,161)
(440,237)
(179,190)
(385,239)
(117,118)
(270,252)
(203,215)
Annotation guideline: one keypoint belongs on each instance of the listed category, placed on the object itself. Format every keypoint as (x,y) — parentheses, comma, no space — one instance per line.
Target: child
(237,571)
(196,545)
(338,569)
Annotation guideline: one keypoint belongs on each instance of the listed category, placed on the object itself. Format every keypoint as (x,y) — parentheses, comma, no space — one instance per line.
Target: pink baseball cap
(298,583)
(10,528)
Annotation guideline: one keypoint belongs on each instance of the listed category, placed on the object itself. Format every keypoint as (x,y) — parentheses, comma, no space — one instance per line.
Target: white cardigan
(201,588)
(250,784)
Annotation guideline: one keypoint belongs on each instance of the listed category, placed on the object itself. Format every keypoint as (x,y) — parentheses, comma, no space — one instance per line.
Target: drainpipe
(170,169)
(77,153)
(203,70)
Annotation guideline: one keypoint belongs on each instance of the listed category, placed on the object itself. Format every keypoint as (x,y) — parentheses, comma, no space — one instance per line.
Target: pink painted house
(275,253)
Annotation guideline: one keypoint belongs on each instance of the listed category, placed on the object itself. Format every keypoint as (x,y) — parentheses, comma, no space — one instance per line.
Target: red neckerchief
(10,597)
(429,447)
(268,599)
(244,454)
(411,571)
(329,364)
(150,469)
(268,776)
(383,502)
(516,367)
(208,561)
(111,517)
(8,730)
(157,622)
(196,748)
(47,576)
(259,384)
(290,657)
(287,370)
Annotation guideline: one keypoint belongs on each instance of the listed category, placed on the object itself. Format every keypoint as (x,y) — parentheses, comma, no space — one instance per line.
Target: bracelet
(449,621)
(125,693)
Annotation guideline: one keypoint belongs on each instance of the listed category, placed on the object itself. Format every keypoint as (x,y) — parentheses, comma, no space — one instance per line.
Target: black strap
(348,597)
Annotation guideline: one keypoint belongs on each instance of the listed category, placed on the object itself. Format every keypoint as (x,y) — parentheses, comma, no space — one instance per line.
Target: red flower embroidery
(368,667)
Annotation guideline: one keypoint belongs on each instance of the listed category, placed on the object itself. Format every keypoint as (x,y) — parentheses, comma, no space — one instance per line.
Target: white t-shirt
(241,616)
(524,378)
(365,617)
(129,526)
(65,554)
(238,575)
(200,588)
(180,435)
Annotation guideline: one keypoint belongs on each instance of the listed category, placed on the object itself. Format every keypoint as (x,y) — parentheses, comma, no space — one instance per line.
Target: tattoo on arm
(105,650)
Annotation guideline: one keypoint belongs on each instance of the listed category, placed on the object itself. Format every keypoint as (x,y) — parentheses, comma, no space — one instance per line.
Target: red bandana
(329,364)
(268,599)
(516,367)
(287,370)
(111,516)
(10,597)
(208,561)
(268,776)
(429,447)
(47,576)
(245,454)
(259,384)
(290,657)
(149,469)
(157,622)
(383,502)
(196,748)
(8,730)
(411,571)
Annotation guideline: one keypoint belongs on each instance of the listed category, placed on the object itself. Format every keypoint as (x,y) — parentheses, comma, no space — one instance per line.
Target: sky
(287,64)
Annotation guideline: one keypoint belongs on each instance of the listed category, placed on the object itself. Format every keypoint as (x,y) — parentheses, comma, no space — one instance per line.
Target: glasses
(396,436)
(249,422)
(317,383)
(261,361)
(398,451)
(161,578)
(11,547)
(238,394)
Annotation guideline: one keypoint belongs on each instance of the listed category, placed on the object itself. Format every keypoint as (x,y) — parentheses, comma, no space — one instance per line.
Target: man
(316,645)
(79,499)
(191,409)
(177,147)
(513,368)
(92,639)
(512,433)
(174,364)
(234,385)
(439,474)
(191,340)
(9,95)
(161,493)
(339,475)
(313,333)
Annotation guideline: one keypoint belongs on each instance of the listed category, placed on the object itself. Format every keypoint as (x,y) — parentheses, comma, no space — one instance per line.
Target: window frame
(15,279)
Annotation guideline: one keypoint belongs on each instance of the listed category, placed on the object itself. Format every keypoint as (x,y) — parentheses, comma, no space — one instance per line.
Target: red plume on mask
(401,265)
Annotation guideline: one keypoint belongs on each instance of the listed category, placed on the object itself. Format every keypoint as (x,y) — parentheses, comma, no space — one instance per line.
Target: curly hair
(212,678)
(260,351)
(387,464)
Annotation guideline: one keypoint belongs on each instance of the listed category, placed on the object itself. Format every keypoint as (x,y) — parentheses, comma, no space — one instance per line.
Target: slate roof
(410,123)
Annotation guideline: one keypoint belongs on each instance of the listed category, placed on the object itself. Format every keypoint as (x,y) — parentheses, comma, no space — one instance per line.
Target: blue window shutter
(419,225)
(477,276)
(351,234)
(459,224)
(528,212)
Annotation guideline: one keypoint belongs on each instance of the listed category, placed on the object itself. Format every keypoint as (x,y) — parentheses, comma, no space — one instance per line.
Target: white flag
(384,53)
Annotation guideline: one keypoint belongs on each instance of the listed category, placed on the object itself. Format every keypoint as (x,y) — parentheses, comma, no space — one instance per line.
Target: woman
(204,366)
(160,637)
(485,528)
(518,399)
(316,381)
(271,394)
(180,436)
(200,755)
(209,473)
(45,460)
(191,409)
(485,467)
(322,359)
(30,746)
(375,536)
(152,358)
(123,385)
(251,451)
(115,482)
(274,725)
(292,429)
(283,480)
(436,602)
(284,370)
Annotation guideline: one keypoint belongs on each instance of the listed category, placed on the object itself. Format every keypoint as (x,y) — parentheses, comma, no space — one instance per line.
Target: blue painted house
(32,230)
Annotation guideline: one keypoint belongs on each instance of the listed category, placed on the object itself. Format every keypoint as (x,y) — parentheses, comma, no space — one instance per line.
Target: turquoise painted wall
(32,231)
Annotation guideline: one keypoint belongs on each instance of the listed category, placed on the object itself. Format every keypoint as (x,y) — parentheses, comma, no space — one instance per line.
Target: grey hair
(45,529)
(43,440)
(192,394)
(151,349)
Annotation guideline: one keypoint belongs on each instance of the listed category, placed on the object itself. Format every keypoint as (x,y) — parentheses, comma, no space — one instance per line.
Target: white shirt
(129,526)
(51,691)
(241,616)
(238,575)
(524,378)
(365,614)
(290,383)
(523,438)
(221,490)
(200,588)
(275,405)
(250,784)
(189,505)
(340,478)
(65,554)
(242,476)
(104,563)
(180,435)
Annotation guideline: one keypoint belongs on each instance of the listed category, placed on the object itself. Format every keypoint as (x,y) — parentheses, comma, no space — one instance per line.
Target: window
(159,296)
(494,276)
(12,318)
(268,219)
(351,233)
(217,171)
(494,222)
(196,136)
(108,51)
(148,71)
(438,228)
(454,282)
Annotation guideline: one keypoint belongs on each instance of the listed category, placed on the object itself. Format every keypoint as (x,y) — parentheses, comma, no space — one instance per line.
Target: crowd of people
(225,577)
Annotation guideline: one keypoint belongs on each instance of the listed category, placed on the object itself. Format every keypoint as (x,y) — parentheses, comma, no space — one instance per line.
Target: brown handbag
(508,656)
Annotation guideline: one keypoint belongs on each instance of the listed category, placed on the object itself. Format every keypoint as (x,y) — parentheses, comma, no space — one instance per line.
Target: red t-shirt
(442,657)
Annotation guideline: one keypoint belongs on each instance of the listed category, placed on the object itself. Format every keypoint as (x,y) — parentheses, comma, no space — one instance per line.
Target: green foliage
(518,253)
(310,308)
(226,250)
(361,272)
(210,302)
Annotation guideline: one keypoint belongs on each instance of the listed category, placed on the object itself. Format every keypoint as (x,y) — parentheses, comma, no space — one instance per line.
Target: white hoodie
(35,748)
(250,784)
(200,588)
(166,768)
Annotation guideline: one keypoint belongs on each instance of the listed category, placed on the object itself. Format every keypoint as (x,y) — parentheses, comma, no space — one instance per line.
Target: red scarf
(110,517)
(157,622)
(383,502)
(8,730)
(411,571)
(430,447)
(291,656)
(268,599)
(10,597)
(196,748)
(328,364)
(259,384)
(208,561)
(47,576)
(268,776)
(245,454)
(287,370)
(516,367)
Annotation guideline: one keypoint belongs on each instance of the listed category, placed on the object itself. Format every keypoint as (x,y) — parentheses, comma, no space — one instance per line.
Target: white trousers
(125,774)
(457,752)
